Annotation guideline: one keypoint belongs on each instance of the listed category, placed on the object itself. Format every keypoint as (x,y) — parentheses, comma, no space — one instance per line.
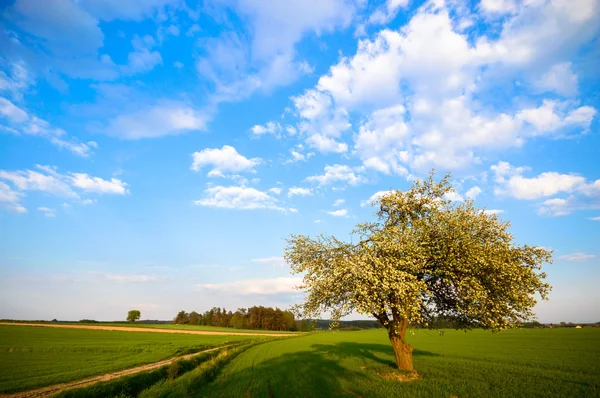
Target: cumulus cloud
(473,192)
(339,213)
(255,286)
(268,128)
(582,194)
(243,198)
(339,202)
(297,191)
(437,108)
(513,183)
(338,174)
(223,161)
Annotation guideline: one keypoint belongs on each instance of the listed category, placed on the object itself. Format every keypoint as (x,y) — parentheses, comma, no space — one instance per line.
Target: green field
(515,363)
(37,356)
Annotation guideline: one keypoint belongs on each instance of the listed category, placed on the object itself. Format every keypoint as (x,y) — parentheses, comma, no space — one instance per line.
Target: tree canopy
(423,258)
(133,316)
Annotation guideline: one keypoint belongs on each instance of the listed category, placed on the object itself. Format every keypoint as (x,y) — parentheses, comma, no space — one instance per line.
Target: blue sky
(156,154)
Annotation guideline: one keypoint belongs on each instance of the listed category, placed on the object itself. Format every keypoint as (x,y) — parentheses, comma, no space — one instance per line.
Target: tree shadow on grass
(299,374)
(366,351)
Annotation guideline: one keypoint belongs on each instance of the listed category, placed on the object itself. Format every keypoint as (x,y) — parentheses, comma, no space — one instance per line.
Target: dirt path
(149,330)
(55,389)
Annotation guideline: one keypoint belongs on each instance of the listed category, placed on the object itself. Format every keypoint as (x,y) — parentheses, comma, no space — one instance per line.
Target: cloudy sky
(156,154)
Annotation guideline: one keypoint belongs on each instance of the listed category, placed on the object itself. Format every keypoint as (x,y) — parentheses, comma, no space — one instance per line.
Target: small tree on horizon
(133,316)
(425,257)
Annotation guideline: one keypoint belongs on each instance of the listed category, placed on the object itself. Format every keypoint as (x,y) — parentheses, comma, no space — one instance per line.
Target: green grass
(514,363)
(33,357)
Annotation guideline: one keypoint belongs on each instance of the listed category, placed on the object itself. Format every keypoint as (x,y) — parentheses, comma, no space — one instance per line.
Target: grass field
(37,356)
(515,363)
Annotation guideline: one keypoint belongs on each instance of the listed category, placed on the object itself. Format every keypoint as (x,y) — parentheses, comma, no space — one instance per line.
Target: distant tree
(424,257)
(195,318)
(182,318)
(133,316)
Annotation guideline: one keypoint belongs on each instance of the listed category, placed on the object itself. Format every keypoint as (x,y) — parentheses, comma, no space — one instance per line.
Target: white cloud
(384,14)
(50,181)
(275,262)
(167,118)
(374,198)
(438,108)
(577,257)
(559,79)
(268,128)
(50,213)
(556,207)
(297,191)
(339,213)
(493,211)
(337,173)
(143,59)
(582,194)
(454,196)
(317,221)
(22,122)
(15,81)
(276,190)
(28,180)
(98,185)
(381,142)
(498,6)
(222,161)
(339,202)
(512,183)
(9,199)
(473,192)
(238,198)
(551,116)
(256,286)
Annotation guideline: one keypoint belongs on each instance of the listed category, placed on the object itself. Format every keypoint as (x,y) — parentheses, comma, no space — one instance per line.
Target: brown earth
(149,330)
(57,388)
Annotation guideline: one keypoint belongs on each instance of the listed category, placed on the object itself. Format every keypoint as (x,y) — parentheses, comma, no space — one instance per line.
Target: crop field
(514,363)
(38,356)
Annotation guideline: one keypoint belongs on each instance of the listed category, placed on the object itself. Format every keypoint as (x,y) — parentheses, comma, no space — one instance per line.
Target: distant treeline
(362,324)
(264,318)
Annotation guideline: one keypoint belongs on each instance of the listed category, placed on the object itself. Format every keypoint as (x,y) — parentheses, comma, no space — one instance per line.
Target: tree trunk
(402,352)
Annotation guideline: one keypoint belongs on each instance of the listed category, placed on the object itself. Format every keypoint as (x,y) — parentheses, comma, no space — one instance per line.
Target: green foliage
(133,316)
(512,363)
(182,317)
(33,357)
